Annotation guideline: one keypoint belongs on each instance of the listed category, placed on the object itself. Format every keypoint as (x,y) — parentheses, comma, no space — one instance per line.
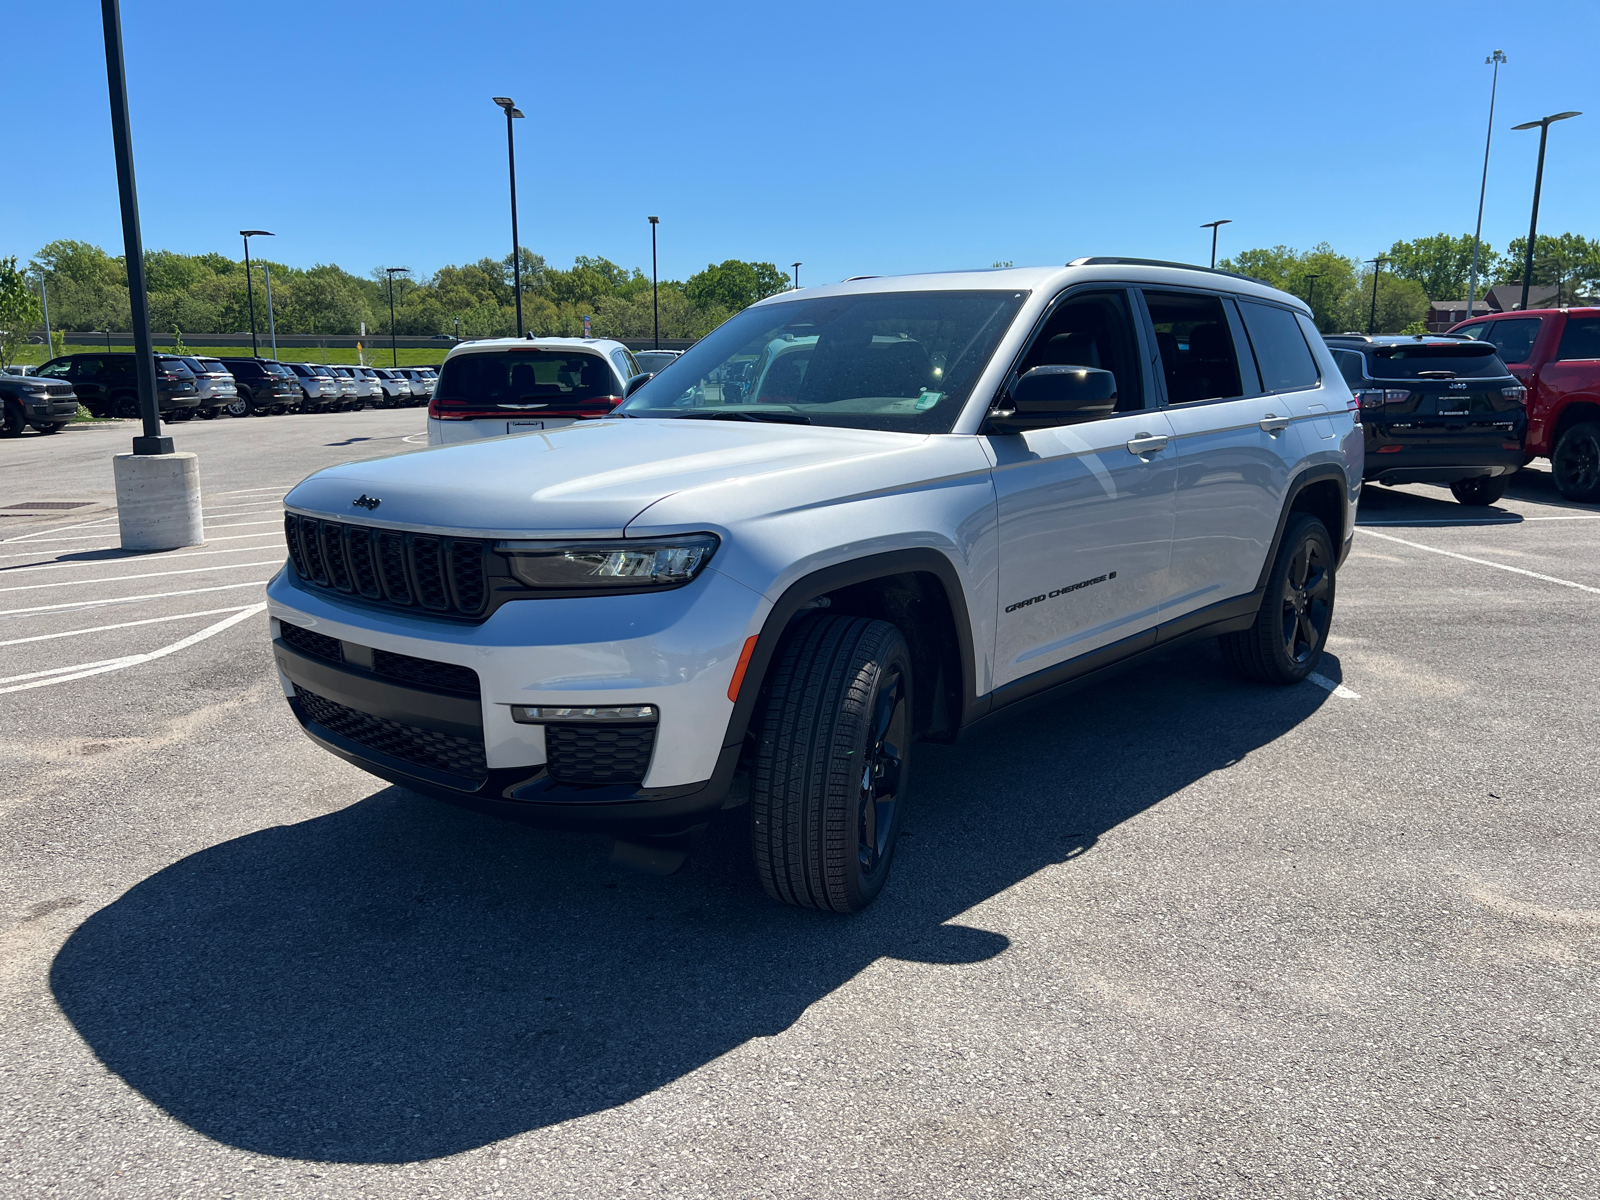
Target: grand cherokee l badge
(367,502)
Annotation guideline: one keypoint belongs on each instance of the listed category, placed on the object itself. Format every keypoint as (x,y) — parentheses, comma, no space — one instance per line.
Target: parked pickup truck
(1555,353)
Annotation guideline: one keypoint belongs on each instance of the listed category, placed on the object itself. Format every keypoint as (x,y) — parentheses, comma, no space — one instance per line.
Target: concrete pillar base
(158,501)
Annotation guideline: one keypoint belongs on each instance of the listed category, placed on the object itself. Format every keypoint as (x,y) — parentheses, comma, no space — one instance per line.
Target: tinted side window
(1092,330)
(1514,339)
(1198,356)
(620,357)
(55,369)
(1580,339)
(1349,366)
(1281,351)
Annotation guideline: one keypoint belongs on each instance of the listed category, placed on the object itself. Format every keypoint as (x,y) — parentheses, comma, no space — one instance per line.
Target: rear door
(1236,438)
(1085,510)
(1573,374)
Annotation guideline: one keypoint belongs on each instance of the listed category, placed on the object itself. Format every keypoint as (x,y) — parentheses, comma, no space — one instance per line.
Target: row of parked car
(195,386)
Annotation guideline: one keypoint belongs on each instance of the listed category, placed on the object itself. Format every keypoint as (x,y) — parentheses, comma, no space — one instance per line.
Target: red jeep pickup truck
(1555,352)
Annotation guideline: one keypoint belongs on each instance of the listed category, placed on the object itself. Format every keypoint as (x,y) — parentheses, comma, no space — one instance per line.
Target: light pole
(249,288)
(132,241)
(458,327)
(1543,125)
(1498,57)
(44,300)
(513,112)
(394,352)
(1311,293)
(655,300)
(1212,225)
(1377,269)
(797,276)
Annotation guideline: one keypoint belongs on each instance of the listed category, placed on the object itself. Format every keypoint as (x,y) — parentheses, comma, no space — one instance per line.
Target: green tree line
(87,289)
(1414,273)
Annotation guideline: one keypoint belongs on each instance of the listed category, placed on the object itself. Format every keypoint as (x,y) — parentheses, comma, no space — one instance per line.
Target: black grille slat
(591,755)
(311,541)
(445,576)
(449,753)
(318,644)
(466,576)
(427,568)
(392,568)
(333,555)
(363,570)
(444,677)
(291,534)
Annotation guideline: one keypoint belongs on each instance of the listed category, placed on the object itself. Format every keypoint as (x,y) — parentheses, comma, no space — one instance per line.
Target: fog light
(640,713)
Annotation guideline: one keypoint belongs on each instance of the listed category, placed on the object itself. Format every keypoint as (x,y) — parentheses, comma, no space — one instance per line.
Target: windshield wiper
(726,414)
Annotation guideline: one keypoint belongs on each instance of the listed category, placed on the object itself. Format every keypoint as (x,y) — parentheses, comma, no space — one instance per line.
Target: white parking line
(1484,562)
(23,537)
(1328,685)
(84,670)
(47,637)
(232,537)
(1470,521)
(77,604)
(31,587)
(133,555)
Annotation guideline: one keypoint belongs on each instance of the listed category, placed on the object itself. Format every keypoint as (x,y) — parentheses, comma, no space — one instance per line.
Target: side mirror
(1056,395)
(634,384)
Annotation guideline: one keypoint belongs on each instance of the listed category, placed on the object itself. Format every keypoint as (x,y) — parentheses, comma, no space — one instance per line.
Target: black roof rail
(1160,262)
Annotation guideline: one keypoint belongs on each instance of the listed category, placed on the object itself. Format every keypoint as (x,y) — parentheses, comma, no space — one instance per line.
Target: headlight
(611,565)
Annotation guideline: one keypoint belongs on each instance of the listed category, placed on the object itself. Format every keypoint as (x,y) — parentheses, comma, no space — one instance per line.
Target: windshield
(896,361)
(1450,360)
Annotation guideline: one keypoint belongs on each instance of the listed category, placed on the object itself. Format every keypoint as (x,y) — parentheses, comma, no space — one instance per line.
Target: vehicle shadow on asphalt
(401,980)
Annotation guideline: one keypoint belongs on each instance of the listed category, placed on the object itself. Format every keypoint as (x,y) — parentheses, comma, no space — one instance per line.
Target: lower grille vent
(589,755)
(448,753)
(320,645)
(443,677)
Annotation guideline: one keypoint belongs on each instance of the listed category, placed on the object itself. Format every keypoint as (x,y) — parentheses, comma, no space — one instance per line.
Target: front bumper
(51,409)
(675,650)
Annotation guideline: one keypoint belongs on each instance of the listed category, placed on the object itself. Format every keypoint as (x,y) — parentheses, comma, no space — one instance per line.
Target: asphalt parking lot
(1179,936)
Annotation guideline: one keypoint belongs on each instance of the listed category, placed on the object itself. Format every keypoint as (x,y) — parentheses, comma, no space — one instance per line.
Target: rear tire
(833,736)
(125,406)
(1286,641)
(1480,489)
(1575,463)
(238,408)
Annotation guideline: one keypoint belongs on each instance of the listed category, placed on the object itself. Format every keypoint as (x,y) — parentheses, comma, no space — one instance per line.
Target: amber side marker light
(744,664)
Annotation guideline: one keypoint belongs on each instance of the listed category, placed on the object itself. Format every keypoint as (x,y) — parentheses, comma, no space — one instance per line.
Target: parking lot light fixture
(655,302)
(249,289)
(512,113)
(797,267)
(1311,293)
(458,328)
(1543,126)
(1498,57)
(1213,226)
(394,351)
(1377,269)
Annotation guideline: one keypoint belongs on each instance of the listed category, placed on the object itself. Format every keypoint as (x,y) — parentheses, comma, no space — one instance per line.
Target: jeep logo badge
(367,502)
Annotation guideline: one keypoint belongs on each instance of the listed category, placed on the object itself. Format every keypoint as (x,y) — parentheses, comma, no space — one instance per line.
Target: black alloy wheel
(1480,490)
(13,421)
(126,406)
(881,772)
(1286,640)
(1575,462)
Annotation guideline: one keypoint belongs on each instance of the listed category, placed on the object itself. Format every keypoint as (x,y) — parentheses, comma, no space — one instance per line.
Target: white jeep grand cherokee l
(852,518)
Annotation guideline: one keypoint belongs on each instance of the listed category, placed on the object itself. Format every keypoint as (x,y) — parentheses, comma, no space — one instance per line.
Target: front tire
(833,736)
(1575,463)
(1480,490)
(1286,641)
(12,421)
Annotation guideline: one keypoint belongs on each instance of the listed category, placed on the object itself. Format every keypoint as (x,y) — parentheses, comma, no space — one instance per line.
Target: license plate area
(523,426)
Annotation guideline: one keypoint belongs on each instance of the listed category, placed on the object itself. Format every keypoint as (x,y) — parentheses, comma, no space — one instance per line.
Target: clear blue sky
(860,138)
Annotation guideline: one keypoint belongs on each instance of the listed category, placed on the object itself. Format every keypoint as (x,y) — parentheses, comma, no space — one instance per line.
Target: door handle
(1147,443)
(1272,423)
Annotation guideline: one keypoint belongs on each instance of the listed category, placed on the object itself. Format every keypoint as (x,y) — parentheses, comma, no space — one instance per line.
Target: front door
(1085,510)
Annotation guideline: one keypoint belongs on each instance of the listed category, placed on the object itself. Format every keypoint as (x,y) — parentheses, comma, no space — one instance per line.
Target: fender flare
(1312,474)
(798,595)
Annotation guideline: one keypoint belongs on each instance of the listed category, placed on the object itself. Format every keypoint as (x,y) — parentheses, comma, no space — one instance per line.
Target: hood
(585,480)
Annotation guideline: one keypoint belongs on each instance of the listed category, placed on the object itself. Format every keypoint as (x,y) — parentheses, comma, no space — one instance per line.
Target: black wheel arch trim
(797,598)
(1322,472)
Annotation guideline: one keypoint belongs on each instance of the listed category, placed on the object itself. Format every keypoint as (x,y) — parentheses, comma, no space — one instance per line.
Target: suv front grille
(424,672)
(319,645)
(589,755)
(444,752)
(443,576)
